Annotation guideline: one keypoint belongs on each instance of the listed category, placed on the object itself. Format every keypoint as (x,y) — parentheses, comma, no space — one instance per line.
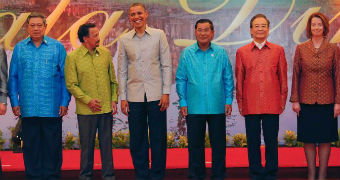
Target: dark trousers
(196,127)
(144,116)
(270,127)
(42,147)
(88,125)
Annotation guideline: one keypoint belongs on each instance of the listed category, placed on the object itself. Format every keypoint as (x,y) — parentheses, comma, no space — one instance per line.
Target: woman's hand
(297,108)
(336,110)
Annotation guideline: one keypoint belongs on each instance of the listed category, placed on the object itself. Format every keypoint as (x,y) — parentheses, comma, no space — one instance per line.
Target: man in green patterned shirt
(90,78)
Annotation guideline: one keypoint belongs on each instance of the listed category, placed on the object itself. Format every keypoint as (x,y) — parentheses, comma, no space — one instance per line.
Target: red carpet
(176,158)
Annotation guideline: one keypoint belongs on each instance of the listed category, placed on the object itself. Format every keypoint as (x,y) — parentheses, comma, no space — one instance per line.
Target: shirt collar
(84,50)
(197,48)
(260,45)
(29,40)
(134,33)
(265,43)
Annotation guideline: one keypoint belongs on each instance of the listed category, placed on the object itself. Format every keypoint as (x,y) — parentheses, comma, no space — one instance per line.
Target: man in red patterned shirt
(261,93)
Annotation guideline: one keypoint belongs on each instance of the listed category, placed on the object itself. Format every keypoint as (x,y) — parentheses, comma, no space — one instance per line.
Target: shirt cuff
(3,98)
(114,98)
(294,99)
(14,102)
(87,99)
(229,101)
(166,90)
(337,101)
(122,97)
(183,103)
(64,103)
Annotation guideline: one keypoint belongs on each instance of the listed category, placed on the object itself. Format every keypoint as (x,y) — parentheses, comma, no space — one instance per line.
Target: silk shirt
(144,66)
(91,76)
(36,78)
(204,80)
(261,79)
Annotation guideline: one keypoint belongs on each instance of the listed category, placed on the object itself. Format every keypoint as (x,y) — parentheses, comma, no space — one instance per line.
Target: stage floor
(181,174)
(177,158)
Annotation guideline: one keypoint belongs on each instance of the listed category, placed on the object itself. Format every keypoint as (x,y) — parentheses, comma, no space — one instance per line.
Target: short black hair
(36,15)
(258,16)
(83,30)
(205,21)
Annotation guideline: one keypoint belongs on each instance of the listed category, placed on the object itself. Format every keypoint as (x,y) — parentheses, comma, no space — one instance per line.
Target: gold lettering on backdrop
(14,29)
(109,22)
(54,16)
(244,12)
(18,23)
(301,27)
(74,28)
(302,20)
(107,27)
(246,9)
(336,37)
(185,6)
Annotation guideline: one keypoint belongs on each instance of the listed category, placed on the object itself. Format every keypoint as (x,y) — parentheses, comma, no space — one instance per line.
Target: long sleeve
(296,76)
(336,71)
(282,73)
(228,80)
(166,64)
(181,81)
(3,76)
(240,75)
(65,96)
(13,89)
(122,71)
(72,82)
(113,80)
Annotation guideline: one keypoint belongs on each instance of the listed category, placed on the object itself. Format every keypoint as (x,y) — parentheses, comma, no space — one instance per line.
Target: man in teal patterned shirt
(204,83)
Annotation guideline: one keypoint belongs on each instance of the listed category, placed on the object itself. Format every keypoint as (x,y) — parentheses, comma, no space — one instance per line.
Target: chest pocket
(49,64)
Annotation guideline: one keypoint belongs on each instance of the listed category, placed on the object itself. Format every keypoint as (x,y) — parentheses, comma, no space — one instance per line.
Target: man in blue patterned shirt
(204,84)
(39,96)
